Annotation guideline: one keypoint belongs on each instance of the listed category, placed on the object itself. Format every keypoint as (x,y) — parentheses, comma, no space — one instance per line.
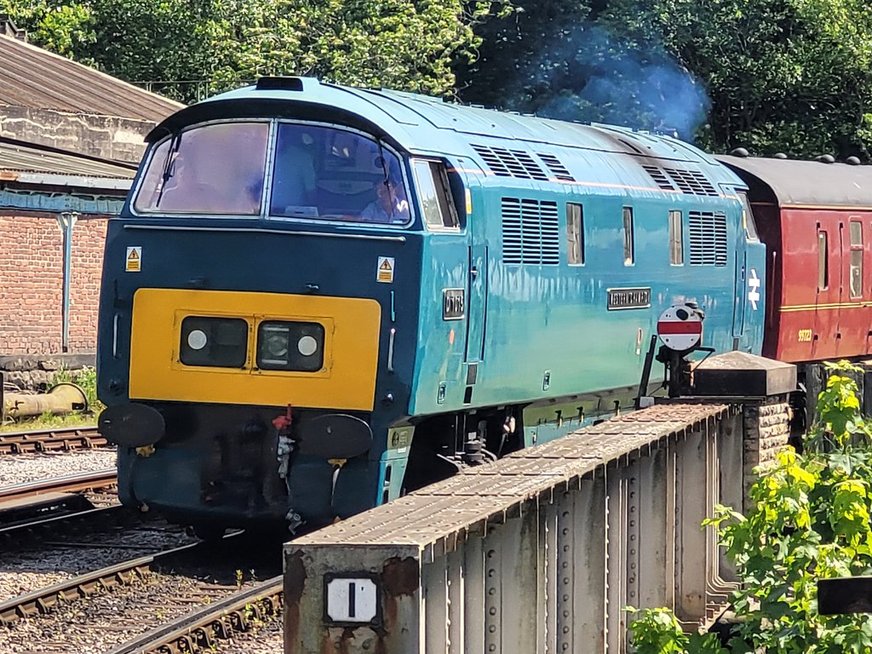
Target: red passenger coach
(816,221)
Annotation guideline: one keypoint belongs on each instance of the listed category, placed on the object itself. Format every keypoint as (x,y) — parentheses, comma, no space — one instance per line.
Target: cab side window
(629,237)
(434,194)
(676,239)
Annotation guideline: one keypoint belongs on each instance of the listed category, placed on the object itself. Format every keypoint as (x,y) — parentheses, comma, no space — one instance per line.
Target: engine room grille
(659,177)
(510,163)
(531,232)
(692,182)
(708,238)
(556,167)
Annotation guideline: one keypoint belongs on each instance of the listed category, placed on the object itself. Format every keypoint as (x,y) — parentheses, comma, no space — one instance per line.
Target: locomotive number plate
(453,305)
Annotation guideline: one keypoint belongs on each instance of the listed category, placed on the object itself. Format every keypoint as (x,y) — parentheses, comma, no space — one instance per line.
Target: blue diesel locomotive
(318,297)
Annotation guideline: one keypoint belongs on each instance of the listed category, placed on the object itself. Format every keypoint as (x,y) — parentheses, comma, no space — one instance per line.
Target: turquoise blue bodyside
(546,331)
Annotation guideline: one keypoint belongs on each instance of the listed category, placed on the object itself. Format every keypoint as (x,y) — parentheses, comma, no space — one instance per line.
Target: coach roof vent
(279,84)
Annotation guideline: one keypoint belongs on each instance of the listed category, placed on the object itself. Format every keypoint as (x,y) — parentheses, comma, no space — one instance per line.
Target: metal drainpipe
(66,222)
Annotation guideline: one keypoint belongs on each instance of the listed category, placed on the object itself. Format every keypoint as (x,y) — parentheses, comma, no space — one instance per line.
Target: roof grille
(692,182)
(510,163)
(708,238)
(659,177)
(531,232)
(556,167)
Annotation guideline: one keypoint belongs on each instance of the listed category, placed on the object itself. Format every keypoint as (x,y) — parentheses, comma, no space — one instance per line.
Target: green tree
(789,75)
(405,44)
(780,75)
(810,520)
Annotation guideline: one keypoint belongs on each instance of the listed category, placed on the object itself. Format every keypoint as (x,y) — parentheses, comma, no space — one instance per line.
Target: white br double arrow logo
(753,289)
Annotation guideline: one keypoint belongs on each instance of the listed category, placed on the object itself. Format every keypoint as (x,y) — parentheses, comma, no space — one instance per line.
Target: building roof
(33,77)
(807,183)
(32,164)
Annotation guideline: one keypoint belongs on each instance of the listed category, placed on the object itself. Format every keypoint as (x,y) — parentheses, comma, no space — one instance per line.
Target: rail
(51,440)
(202,629)
(45,599)
(77,483)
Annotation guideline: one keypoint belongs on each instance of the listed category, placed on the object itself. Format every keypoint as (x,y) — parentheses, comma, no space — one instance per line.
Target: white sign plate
(352,600)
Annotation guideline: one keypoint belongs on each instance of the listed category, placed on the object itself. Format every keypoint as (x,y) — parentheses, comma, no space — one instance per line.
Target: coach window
(575,234)
(676,239)
(629,245)
(823,261)
(434,194)
(856,271)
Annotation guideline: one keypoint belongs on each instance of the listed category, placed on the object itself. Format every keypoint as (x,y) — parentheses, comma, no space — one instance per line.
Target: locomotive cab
(260,318)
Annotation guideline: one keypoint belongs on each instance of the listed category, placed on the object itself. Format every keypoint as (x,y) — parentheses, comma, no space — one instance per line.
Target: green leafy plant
(657,631)
(810,520)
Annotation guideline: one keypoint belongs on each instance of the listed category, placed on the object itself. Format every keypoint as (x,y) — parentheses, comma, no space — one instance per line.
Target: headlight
(216,342)
(290,346)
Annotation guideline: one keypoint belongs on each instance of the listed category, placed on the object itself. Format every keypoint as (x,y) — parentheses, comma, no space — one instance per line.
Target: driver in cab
(390,205)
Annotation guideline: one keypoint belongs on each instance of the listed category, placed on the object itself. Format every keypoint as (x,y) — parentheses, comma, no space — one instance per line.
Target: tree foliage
(202,46)
(770,75)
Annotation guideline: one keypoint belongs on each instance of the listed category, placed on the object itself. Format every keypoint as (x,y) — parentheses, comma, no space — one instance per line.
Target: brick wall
(31,284)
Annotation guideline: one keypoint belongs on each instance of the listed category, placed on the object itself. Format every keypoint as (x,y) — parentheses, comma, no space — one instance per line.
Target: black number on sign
(452,304)
(351,587)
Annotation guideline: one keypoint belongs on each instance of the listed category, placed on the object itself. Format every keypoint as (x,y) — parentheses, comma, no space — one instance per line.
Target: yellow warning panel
(347,380)
(385,272)
(133,262)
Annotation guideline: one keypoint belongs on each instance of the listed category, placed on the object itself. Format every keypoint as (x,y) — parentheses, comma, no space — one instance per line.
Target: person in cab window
(185,192)
(294,180)
(390,205)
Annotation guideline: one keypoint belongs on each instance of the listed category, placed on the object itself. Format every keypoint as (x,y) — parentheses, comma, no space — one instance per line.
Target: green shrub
(810,520)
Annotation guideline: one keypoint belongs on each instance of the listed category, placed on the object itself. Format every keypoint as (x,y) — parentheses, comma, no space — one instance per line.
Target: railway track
(27,502)
(150,604)
(44,600)
(82,482)
(203,630)
(51,440)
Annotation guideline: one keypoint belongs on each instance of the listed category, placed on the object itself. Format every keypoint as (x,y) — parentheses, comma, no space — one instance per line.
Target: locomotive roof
(806,183)
(417,123)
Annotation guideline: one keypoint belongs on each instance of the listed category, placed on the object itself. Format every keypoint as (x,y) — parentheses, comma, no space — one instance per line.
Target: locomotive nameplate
(629,298)
(453,304)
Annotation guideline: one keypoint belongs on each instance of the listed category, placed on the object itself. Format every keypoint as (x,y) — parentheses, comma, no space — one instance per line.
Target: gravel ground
(100,623)
(266,639)
(23,468)
(29,570)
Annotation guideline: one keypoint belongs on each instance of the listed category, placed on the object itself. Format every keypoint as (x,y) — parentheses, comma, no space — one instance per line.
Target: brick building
(70,138)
